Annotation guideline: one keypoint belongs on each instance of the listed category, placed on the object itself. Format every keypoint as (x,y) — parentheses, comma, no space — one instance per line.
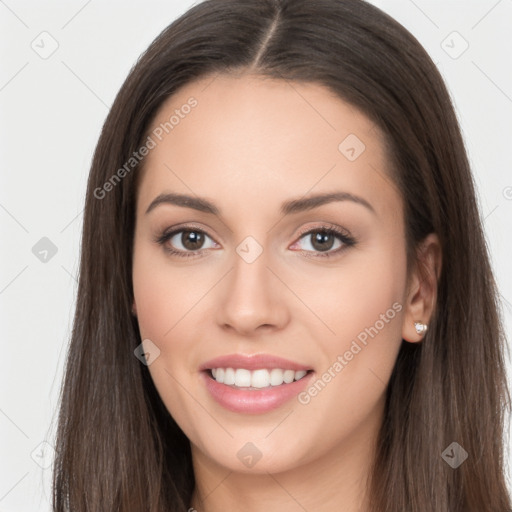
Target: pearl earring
(420,327)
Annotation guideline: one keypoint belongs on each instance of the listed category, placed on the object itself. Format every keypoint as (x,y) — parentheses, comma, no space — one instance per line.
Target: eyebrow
(288,207)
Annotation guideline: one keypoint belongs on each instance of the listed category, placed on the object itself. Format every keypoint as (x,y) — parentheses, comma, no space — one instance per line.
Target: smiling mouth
(241,378)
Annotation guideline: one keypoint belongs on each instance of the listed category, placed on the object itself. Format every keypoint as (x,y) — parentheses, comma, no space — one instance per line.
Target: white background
(51,112)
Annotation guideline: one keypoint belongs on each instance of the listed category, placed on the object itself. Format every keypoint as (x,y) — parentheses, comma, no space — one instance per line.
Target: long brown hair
(118,448)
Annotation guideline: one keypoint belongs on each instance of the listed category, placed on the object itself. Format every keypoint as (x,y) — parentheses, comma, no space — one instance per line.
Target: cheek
(169,301)
(163,299)
(363,307)
(361,304)
(366,290)
(163,294)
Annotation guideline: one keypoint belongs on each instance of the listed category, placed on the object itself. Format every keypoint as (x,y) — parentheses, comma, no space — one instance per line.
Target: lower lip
(253,401)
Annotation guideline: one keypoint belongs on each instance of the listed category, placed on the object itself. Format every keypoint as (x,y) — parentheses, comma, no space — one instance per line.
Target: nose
(252,299)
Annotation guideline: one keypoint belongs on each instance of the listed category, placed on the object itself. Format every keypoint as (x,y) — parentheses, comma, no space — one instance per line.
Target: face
(296,305)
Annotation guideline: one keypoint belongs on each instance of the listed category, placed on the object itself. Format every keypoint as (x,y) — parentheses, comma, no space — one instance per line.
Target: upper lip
(252,362)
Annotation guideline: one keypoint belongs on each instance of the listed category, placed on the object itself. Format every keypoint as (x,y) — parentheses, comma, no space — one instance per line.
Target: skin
(250,144)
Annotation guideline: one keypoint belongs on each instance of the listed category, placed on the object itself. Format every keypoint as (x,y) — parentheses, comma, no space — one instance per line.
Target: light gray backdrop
(61,65)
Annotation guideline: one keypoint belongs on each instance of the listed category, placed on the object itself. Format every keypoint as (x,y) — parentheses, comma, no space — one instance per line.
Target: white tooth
(276,377)
(219,375)
(229,376)
(242,378)
(260,379)
(289,375)
(298,375)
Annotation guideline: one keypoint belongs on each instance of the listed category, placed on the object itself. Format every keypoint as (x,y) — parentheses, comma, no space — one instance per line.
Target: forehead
(260,137)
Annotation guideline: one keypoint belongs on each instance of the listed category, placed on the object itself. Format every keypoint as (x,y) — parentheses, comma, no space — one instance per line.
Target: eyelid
(324,226)
(186,227)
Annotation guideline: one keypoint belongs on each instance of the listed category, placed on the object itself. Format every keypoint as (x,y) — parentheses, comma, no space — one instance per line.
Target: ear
(134,308)
(422,290)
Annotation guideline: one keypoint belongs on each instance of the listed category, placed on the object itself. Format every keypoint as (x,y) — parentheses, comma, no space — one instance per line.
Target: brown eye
(185,242)
(192,240)
(322,240)
(325,241)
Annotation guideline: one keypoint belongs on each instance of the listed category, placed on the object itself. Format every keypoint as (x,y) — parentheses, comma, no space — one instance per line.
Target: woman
(285,299)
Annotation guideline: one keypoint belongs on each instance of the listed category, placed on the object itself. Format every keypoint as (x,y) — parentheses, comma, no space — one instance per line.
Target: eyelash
(347,240)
